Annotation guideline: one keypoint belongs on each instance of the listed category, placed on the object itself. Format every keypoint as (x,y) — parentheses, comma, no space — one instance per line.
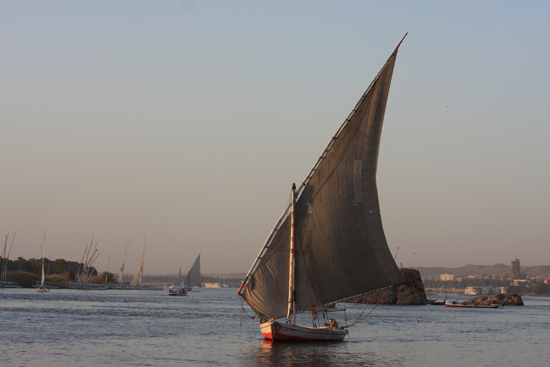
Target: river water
(208,328)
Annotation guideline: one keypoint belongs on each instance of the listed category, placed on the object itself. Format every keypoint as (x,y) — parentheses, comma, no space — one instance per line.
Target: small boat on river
(467,305)
(175,290)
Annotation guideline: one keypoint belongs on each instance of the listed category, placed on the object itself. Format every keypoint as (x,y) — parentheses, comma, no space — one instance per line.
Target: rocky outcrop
(505,299)
(410,293)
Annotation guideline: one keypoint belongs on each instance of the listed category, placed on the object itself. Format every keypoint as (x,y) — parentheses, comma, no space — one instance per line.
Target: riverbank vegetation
(27,272)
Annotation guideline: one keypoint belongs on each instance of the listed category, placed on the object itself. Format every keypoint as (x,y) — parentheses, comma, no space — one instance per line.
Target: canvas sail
(43,278)
(179,278)
(121,273)
(194,275)
(341,249)
(136,280)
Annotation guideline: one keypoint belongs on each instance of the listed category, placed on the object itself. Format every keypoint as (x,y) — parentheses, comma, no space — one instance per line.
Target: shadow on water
(338,353)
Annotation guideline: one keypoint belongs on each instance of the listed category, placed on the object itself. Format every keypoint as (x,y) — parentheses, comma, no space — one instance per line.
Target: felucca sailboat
(138,276)
(329,245)
(42,287)
(194,275)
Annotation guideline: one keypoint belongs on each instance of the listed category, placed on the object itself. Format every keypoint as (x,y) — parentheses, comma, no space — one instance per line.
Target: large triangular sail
(341,249)
(194,275)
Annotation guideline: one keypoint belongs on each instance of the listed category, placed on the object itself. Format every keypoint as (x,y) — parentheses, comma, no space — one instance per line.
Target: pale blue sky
(188,121)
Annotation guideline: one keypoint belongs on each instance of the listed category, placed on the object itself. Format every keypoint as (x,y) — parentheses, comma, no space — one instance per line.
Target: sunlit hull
(457,304)
(273,330)
(40,289)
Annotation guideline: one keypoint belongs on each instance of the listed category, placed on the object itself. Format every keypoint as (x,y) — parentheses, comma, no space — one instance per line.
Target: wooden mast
(43,275)
(292,263)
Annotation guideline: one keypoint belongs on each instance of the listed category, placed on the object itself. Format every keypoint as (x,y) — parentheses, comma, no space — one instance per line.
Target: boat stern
(269,329)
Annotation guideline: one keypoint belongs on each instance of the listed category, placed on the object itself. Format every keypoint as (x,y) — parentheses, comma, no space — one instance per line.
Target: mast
(9,252)
(123,262)
(43,276)
(107,272)
(90,263)
(4,261)
(142,260)
(85,266)
(292,264)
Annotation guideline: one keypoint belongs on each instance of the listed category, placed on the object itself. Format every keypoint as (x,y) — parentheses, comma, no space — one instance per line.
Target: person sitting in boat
(332,325)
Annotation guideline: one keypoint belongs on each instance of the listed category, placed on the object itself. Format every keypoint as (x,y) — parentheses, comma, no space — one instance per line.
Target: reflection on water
(311,354)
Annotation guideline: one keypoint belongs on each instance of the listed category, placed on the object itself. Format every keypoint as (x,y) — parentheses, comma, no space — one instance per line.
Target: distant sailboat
(42,287)
(107,272)
(138,276)
(178,288)
(329,245)
(4,265)
(123,263)
(83,276)
(194,275)
(467,305)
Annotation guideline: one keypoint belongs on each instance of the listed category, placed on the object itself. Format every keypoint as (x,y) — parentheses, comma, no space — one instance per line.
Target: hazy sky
(188,121)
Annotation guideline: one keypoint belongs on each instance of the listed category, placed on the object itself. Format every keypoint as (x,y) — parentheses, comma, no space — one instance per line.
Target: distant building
(472,291)
(515,269)
(446,277)
(518,282)
(504,277)
(479,291)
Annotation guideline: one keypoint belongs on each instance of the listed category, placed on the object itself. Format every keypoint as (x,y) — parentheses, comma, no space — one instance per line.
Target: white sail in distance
(123,263)
(137,279)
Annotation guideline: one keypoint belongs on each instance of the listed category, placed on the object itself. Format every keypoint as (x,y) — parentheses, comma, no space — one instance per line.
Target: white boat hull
(273,330)
(177,291)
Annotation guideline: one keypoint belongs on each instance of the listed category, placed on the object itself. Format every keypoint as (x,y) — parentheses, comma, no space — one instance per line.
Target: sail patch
(357,187)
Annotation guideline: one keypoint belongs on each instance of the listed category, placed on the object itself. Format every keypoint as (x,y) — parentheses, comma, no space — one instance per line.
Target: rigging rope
(242,309)
(359,319)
